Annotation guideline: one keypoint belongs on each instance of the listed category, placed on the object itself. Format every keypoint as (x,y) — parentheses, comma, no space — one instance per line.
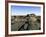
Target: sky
(24,10)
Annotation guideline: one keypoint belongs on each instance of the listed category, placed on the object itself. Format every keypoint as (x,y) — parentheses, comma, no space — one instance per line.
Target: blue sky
(24,10)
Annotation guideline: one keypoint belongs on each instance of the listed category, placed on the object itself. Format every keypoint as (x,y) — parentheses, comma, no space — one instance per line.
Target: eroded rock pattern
(28,22)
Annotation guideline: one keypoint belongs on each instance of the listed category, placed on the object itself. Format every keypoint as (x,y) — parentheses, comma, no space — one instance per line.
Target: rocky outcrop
(28,22)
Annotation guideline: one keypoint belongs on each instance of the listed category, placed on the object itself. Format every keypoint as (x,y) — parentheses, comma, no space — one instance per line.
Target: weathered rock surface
(29,22)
